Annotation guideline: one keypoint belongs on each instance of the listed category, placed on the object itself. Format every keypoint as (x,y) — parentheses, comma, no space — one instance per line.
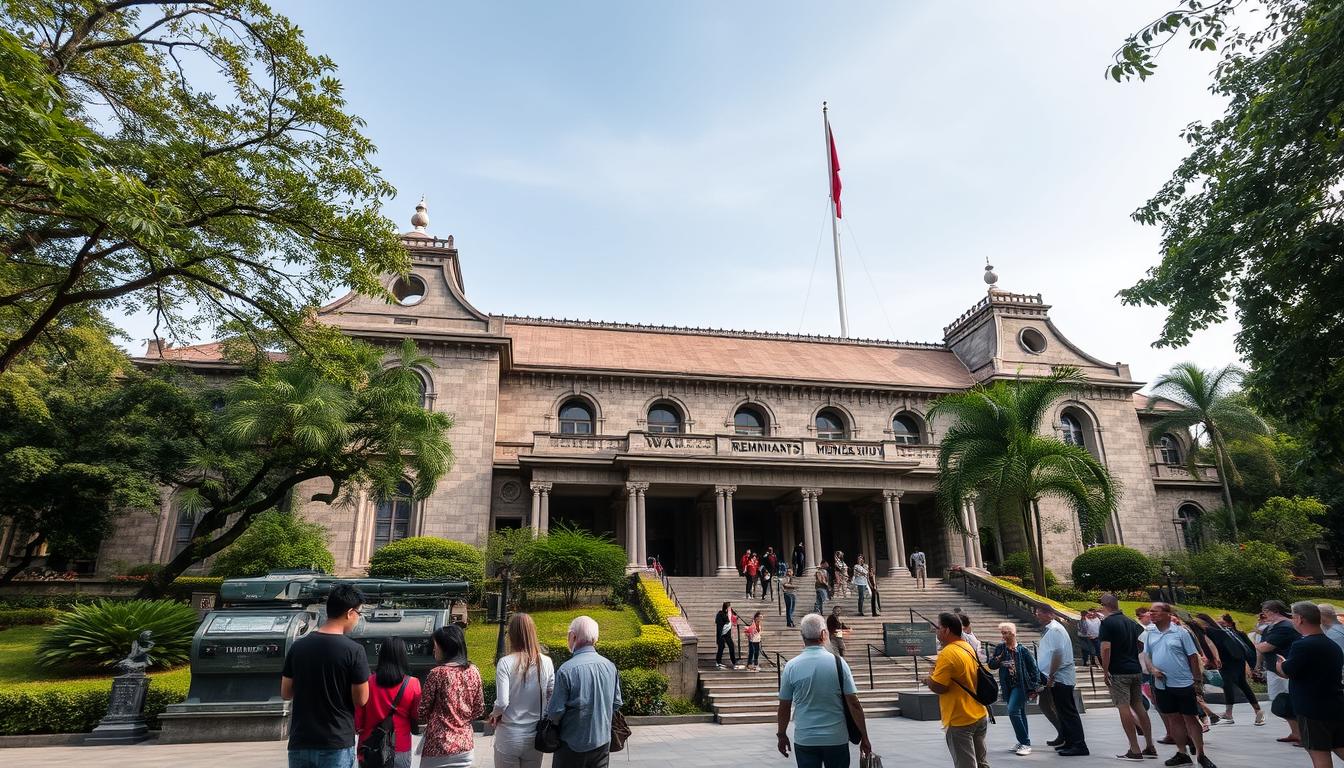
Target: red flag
(835,170)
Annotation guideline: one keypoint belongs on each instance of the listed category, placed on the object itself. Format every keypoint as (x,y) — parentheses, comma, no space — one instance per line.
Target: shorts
(1177,701)
(1126,690)
(1324,735)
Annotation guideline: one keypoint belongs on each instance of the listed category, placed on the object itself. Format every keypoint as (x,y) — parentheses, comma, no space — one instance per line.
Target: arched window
(831,425)
(749,421)
(664,419)
(1073,430)
(426,399)
(392,520)
(183,531)
(576,418)
(1189,517)
(904,429)
(1169,448)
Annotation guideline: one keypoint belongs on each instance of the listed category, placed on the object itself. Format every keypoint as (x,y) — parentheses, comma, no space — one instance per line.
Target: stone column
(812,509)
(968,558)
(631,526)
(721,529)
(642,538)
(536,508)
(891,518)
(730,525)
(809,549)
(546,509)
(977,557)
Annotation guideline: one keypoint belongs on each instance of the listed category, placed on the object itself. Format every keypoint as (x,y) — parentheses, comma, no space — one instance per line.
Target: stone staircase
(741,696)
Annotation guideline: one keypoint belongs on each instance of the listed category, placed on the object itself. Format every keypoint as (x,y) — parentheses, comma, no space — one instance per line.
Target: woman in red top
(451,701)
(386,680)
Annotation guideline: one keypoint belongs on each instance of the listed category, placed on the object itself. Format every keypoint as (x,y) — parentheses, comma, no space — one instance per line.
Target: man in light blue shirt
(1172,652)
(587,693)
(810,688)
(1054,656)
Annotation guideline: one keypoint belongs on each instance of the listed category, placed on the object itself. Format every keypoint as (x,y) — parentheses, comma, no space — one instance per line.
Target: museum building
(692,445)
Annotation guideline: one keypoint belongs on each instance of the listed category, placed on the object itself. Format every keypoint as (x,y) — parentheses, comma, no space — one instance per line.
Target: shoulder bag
(620,731)
(379,750)
(548,732)
(855,736)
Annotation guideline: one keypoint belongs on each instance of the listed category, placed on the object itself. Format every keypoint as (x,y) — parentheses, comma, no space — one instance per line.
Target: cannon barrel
(307,588)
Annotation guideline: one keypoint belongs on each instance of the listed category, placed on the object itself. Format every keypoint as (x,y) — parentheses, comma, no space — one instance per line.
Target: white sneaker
(1022,750)
(1015,747)
(1227,721)
(718,666)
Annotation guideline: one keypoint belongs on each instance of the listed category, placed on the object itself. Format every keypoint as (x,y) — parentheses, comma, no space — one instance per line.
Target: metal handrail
(914,613)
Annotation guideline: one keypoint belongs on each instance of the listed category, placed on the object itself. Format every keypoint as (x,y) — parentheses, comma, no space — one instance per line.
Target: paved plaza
(902,744)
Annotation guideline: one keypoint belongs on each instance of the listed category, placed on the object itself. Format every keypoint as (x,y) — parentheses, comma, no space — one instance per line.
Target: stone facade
(698,496)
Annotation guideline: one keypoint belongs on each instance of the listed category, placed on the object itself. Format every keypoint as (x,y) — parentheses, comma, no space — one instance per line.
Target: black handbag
(548,732)
(855,735)
(379,750)
(1282,706)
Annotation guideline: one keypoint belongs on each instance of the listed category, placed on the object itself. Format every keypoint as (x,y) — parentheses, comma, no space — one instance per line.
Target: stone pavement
(902,744)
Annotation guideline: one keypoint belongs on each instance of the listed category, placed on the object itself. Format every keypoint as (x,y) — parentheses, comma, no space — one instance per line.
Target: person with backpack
(326,675)
(1055,655)
(1233,654)
(452,700)
(956,680)
(385,724)
(524,679)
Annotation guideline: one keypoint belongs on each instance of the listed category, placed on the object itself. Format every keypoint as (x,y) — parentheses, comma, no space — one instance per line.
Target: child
(754,632)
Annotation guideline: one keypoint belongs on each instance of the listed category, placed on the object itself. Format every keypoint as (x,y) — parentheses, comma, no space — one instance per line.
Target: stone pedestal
(922,704)
(234,721)
(125,719)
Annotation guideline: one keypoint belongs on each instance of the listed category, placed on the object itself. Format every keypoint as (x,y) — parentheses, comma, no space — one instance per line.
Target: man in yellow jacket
(965,720)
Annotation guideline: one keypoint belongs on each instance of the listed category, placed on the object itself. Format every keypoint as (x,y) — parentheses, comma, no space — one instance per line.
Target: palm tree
(994,450)
(1209,401)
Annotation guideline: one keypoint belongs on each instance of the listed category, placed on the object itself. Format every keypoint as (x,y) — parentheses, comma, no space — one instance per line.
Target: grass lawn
(1245,621)
(18,661)
(552,626)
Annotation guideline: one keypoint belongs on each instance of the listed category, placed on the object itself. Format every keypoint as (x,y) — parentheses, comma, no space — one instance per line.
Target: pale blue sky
(663,163)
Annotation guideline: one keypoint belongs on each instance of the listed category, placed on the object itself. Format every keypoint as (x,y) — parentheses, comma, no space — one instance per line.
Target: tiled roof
(1141,403)
(209,352)
(555,345)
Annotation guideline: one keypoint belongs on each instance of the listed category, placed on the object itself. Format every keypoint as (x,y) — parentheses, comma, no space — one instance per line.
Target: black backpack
(379,750)
(986,687)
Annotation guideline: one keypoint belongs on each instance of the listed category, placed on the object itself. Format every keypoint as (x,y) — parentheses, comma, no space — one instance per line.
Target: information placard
(917,639)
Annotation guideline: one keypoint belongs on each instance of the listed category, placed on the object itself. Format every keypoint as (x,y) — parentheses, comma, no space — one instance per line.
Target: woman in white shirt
(524,680)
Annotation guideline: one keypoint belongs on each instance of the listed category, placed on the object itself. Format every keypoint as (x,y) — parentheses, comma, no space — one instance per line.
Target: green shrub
(76,706)
(429,559)
(97,636)
(571,560)
(20,617)
(498,542)
(1242,575)
(643,691)
(60,602)
(680,705)
(144,569)
(1318,593)
(1068,594)
(273,541)
(653,600)
(1019,564)
(1113,568)
(183,586)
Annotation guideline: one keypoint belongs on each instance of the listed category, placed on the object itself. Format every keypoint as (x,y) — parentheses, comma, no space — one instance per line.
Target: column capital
(636,487)
(893,494)
(812,492)
(725,489)
(540,486)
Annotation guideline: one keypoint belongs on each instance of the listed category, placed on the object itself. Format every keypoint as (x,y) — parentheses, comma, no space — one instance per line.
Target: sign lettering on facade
(767,446)
(671,442)
(859,450)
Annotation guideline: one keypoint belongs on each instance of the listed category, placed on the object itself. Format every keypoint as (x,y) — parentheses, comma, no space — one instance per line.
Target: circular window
(510,490)
(409,290)
(1032,340)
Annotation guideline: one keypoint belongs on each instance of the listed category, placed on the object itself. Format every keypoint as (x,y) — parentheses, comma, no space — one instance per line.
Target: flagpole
(835,233)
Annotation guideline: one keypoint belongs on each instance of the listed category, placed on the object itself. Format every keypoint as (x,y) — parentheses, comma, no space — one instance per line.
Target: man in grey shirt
(918,569)
(587,693)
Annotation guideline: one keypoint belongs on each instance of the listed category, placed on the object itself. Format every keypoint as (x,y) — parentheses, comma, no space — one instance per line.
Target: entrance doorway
(589,513)
(756,527)
(674,535)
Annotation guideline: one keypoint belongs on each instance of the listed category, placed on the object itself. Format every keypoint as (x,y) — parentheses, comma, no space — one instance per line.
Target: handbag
(855,736)
(870,761)
(620,731)
(1213,677)
(548,731)
(1282,706)
(379,750)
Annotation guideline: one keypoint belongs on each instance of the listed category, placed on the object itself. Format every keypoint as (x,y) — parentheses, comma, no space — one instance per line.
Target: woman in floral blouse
(451,700)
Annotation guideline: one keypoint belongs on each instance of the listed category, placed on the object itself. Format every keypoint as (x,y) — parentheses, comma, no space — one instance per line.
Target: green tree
(80,441)
(1208,401)
(994,449)
(128,183)
(275,539)
(1253,217)
(340,420)
(1290,524)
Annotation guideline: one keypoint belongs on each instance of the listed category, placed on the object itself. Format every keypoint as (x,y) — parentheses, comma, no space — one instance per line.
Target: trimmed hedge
(183,586)
(1113,568)
(1019,564)
(644,692)
(273,541)
(76,706)
(428,558)
(654,603)
(1318,593)
(23,617)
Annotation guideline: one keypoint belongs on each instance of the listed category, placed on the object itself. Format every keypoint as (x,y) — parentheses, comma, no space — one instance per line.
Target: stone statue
(138,659)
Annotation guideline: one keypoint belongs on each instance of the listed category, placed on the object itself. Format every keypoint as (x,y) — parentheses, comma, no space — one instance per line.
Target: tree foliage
(1253,217)
(1242,575)
(275,539)
(1290,524)
(324,425)
(1113,568)
(570,560)
(127,182)
(430,559)
(994,451)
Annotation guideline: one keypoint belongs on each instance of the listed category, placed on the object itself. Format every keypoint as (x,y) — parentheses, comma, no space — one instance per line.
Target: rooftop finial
(421,218)
(990,277)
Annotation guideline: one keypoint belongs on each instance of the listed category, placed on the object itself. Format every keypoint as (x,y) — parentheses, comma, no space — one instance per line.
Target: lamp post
(505,573)
(1171,583)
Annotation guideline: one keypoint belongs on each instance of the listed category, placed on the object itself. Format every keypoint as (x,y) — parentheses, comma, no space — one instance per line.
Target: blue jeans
(832,756)
(863,594)
(1017,714)
(789,600)
(322,758)
(822,597)
(753,654)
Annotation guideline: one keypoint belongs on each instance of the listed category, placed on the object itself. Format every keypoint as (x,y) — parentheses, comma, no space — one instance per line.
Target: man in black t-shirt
(1275,639)
(326,675)
(1121,642)
(1313,671)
